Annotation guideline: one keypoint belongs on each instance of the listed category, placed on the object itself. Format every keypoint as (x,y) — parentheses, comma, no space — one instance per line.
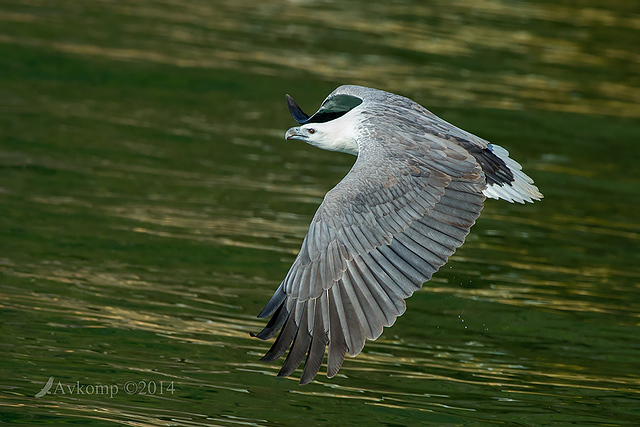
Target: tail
(505,179)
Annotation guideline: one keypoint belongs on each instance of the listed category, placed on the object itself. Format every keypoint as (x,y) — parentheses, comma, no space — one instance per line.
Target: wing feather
(319,343)
(396,254)
(275,323)
(366,288)
(284,340)
(399,284)
(411,254)
(386,306)
(275,302)
(349,325)
(337,340)
(300,346)
(348,287)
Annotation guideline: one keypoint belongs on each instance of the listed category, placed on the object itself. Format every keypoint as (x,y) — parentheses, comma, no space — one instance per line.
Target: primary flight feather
(416,188)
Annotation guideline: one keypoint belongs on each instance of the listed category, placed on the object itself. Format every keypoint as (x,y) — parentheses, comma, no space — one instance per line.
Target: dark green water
(150,207)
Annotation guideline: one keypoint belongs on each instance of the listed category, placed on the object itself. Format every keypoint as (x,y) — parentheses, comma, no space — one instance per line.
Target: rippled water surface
(150,207)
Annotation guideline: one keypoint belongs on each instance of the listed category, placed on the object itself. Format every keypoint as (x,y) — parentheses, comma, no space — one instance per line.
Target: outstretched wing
(402,210)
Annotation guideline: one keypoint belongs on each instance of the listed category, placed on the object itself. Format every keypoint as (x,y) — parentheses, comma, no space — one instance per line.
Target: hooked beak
(295,133)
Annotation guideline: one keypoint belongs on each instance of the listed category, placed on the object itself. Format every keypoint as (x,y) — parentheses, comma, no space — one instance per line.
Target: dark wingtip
(305,381)
(295,110)
(274,303)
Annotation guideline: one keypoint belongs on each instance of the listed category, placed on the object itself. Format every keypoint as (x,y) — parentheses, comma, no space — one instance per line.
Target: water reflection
(147,220)
(296,36)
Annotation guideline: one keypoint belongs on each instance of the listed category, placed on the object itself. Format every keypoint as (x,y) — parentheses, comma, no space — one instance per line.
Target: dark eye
(311,130)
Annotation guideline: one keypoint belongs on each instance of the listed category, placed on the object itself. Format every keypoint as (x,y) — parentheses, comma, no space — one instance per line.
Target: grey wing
(377,237)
